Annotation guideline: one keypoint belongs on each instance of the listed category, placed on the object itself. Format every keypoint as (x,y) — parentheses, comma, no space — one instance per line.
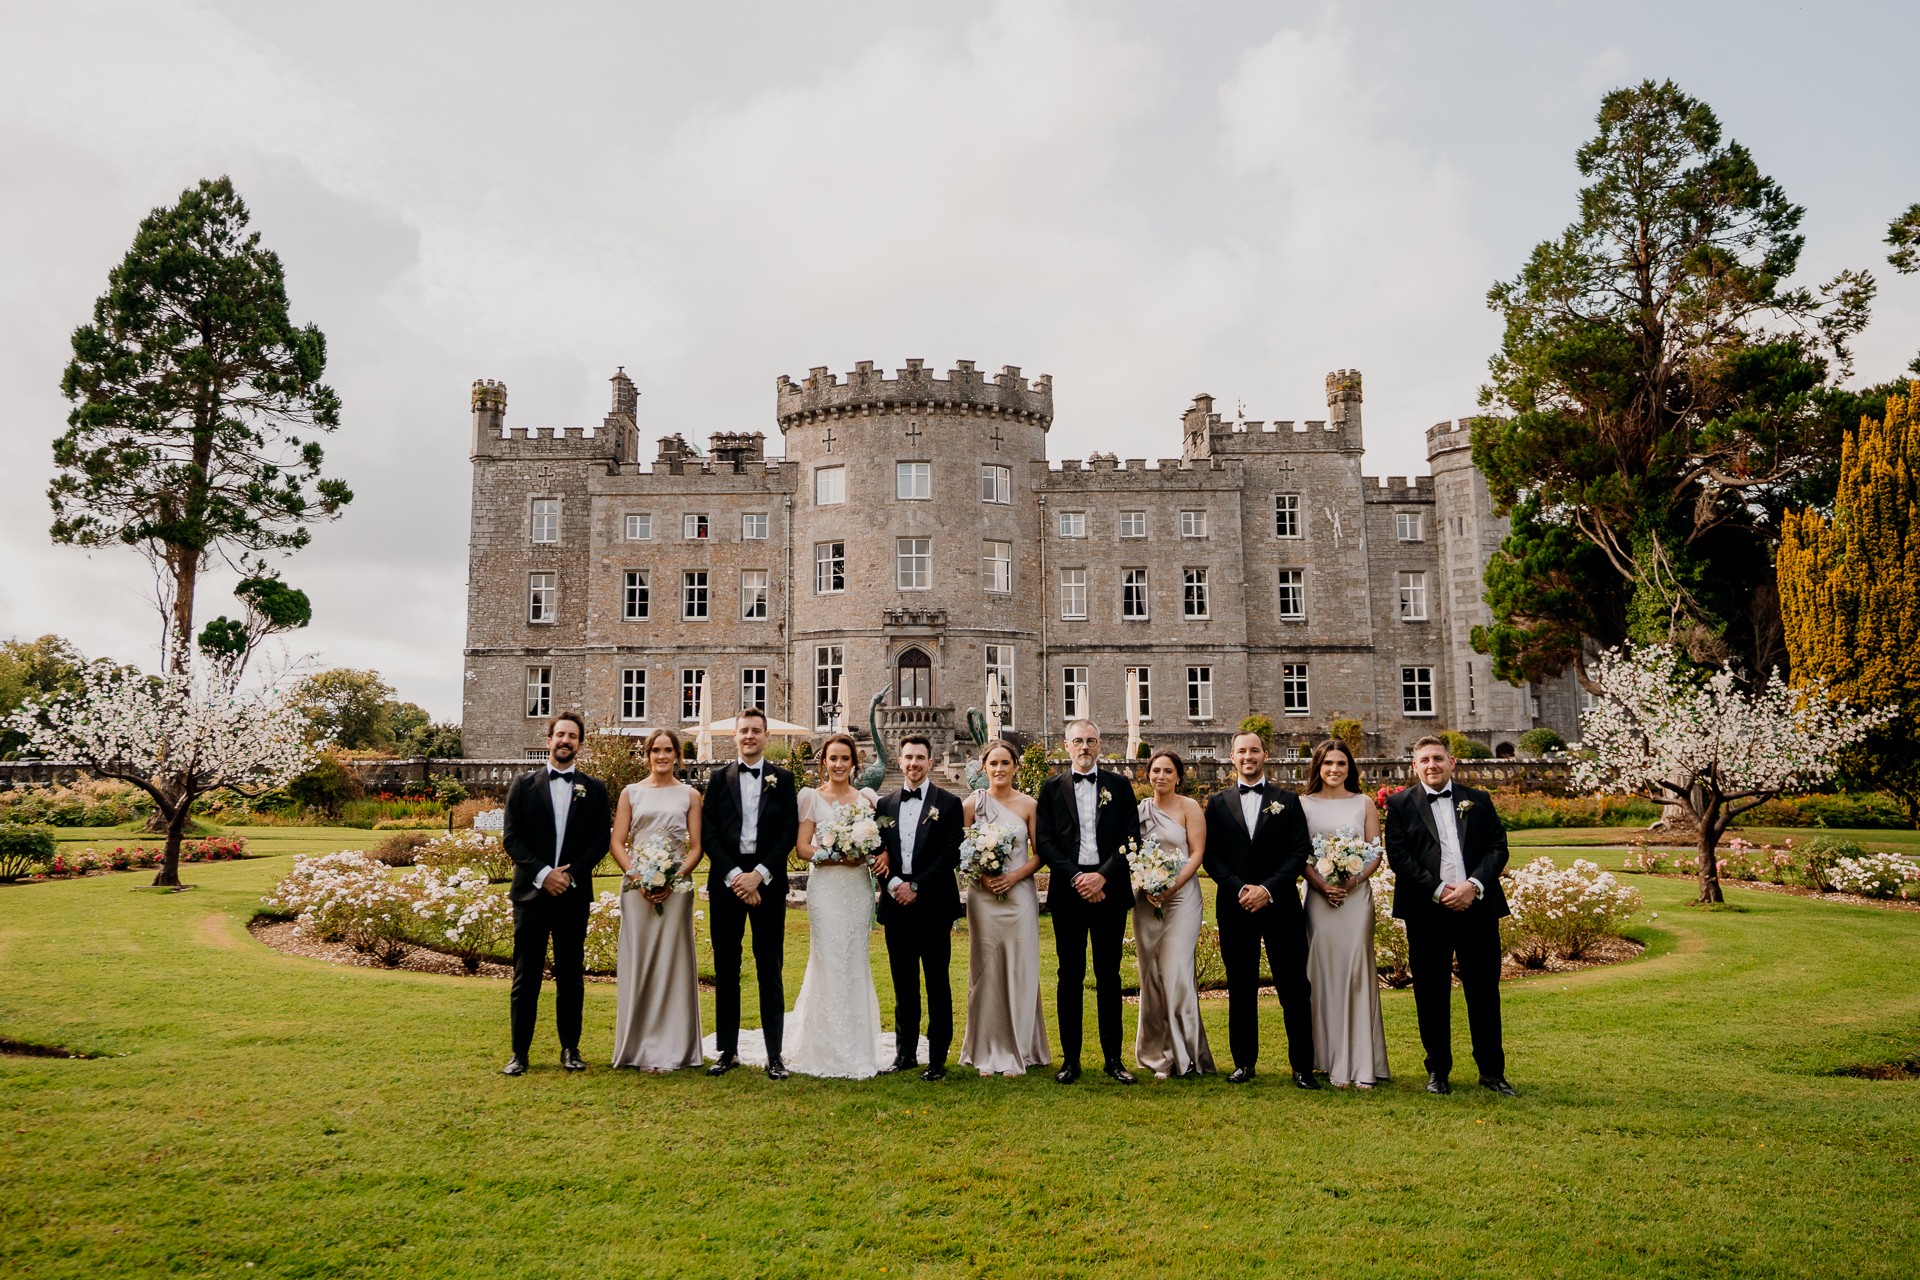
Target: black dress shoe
(1500,1086)
(516,1065)
(1305,1080)
(1437,1083)
(1067,1074)
(1117,1071)
(902,1063)
(570,1059)
(935,1071)
(776,1069)
(1241,1075)
(723,1064)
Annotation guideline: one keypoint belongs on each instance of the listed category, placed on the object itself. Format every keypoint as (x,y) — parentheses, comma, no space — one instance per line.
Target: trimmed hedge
(24,851)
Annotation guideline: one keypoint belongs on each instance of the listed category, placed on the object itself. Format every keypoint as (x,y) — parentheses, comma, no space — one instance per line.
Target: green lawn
(1678,1120)
(1907,842)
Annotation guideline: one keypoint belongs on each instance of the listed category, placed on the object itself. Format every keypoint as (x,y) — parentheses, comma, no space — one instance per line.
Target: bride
(834,1029)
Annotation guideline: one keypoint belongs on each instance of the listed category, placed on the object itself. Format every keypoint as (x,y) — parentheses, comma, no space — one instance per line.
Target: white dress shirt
(1086,801)
(751,785)
(1250,802)
(911,808)
(1453,863)
(560,791)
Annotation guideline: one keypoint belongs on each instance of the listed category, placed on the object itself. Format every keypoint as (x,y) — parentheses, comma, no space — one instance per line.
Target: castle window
(913,559)
(637,602)
(913,481)
(996,566)
(1000,680)
(1416,691)
(1293,688)
(1145,677)
(1286,515)
(539,692)
(1133,524)
(1413,597)
(1133,594)
(639,527)
(753,595)
(1471,700)
(1193,600)
(827,670)
(1406,526)
(1193,524)
(694,527)
(829,567)
(546,519)
(1293,593)
(633,694)
(1073,693)
(1073,524)
(693,595)
(829,486)
(753,688)
(996,483)
(1073,593)
(1199,693)
(693,696)
(543,594)
(753,526)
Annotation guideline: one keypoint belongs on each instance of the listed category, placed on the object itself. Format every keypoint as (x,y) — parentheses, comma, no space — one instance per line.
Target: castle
(915,538)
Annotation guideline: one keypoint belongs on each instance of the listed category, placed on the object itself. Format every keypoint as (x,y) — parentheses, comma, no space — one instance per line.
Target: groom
(749,820)
(1447,848)
(558,825)
(920,850)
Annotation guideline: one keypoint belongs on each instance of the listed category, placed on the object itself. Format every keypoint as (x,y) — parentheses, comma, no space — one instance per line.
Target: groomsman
(1085,820)
(558,825)
(1447,847)
(920,851)
(1257,848)
(749,820)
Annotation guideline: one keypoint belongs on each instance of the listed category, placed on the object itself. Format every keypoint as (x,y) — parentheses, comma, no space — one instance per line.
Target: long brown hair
(995,745)
(646,750)
(1320,754)
(853,749)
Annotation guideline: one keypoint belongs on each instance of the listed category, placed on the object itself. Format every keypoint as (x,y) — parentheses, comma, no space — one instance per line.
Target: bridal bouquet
(1155,867)
(849,839)
(988,849)
(655,867)
(1339,856)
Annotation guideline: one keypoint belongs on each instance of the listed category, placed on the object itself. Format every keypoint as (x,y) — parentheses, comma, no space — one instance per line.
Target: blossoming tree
(176,737)
(1663,733)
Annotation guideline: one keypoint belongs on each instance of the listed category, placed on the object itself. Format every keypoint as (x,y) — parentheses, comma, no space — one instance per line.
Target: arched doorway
(914,685)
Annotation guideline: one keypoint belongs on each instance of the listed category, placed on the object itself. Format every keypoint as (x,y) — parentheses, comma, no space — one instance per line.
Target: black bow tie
(555,773)
(912,793)
(1086,777)
(1439,795)
(1258,786)
(752,769)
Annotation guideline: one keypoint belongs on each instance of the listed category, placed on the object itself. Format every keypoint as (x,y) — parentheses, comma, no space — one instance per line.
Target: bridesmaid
(1006,1018)
(658,1027)
(1171,1040)
(1349,1042)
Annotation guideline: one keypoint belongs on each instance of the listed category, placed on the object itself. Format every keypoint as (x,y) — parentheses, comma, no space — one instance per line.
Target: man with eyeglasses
(1086,819)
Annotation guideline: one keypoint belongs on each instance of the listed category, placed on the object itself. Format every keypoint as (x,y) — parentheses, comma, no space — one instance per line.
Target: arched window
(914,687)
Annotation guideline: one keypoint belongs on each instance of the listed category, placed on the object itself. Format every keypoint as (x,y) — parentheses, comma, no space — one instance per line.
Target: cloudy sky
(1146,201)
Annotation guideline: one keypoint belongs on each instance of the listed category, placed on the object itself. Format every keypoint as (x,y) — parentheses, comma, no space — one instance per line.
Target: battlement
(965,390)
(1104,472)
(1397,488)
(1444,437)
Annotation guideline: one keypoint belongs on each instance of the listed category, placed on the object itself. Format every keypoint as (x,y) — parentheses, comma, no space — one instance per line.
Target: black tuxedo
(1078,923)
(1436,935)
(1272,856)
(920,934)
(538,915)
(775,832)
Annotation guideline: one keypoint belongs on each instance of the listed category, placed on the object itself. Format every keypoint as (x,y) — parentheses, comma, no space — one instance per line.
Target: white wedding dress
(834,1028)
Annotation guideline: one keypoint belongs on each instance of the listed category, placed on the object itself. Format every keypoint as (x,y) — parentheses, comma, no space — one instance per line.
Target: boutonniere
(1274,808)
(579,791)
(1105,795)
(886,822)
(933,813)
(772,780)
(1465,807)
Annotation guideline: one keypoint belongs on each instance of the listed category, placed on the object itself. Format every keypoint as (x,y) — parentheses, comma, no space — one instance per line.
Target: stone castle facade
(916,538)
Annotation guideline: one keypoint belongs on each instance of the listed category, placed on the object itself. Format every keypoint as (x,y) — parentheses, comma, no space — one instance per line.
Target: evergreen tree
(1850,591)
(196,406)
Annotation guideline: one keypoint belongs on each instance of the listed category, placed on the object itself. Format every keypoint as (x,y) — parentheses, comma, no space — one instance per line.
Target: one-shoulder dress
(1006,1017)
(1349,1040)
(1170,1040)
(658,1024)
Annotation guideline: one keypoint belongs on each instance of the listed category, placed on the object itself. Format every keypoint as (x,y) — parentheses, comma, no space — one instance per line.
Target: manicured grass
(261,841)
(1907,842)
(1678,1120)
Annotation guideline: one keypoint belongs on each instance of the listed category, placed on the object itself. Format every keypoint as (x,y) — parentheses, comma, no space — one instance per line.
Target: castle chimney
(1196,440)
(1343,404)
(489,413)
(620,421)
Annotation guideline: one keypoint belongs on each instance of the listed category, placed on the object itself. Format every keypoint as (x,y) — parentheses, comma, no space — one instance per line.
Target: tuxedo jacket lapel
(1459,822)
(1260,815)
(1419,802)
(545,792)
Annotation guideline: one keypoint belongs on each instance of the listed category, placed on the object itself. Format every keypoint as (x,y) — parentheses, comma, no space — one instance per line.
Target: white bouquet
(849,839)
(1154,868)
(1340,856)
(987,849)
(655,867)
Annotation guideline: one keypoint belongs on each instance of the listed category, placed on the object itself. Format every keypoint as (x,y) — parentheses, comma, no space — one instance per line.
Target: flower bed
(132,857)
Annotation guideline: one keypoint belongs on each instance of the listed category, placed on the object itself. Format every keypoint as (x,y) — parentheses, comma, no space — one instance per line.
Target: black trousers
(1285,936)
(563,921)
(1076,924)
(915,947)
(730,919)
(1432,944)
